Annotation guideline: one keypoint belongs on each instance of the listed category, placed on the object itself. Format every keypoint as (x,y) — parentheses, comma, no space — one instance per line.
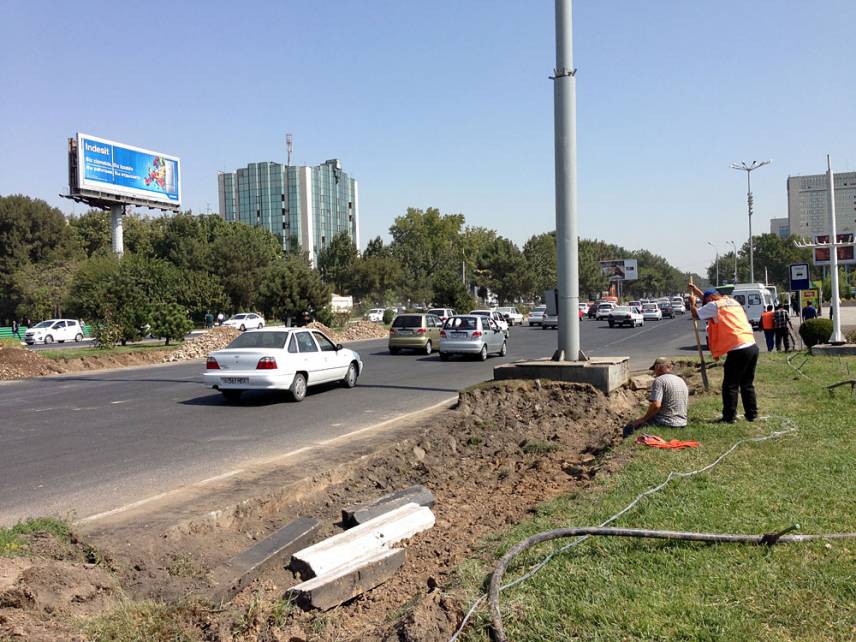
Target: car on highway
(550,321)
(536,315)
(635,304)
(603,311)
(511,315)
(666,310)
(651,312)
(245,321)
(442,313)
(625,315)
(472,334)
(678,305)
(375,315)
(414,331)
(292,359)
(54,330)
(584,308)
(496,316)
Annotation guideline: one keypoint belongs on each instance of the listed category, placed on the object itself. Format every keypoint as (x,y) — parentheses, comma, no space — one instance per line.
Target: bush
(170,321)
(325,316)
(107,333)
(851,336)
(816,331)
(388,316)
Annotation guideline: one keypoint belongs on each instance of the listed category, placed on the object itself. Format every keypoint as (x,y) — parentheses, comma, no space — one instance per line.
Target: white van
(754,297)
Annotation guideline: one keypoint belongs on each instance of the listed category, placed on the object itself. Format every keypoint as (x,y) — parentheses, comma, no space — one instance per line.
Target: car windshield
(605,306)
(238,316)
(650,306)
(439,312)
(462,323)
(481,313)
(409,321)
(622,309)
(260,340)
(44,324)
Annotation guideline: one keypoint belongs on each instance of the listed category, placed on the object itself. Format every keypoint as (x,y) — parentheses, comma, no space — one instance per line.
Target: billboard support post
(117,210)
(567,243)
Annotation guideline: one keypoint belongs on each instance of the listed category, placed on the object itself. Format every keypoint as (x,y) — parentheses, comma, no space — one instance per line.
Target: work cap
(660,361)
(710,292)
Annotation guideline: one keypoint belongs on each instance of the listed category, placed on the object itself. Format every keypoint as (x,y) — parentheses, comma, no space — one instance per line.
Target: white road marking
(231,473)
(114,403)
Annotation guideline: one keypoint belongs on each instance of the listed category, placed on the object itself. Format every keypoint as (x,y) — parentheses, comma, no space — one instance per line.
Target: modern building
(808,204)
(780,227)
(303,206)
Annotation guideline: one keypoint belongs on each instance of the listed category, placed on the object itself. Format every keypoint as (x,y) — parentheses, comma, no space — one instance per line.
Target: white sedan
(290,359)
(651,312)
(246,321)
(496,316)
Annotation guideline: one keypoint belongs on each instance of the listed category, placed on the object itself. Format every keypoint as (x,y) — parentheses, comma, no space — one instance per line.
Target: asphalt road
(88,443)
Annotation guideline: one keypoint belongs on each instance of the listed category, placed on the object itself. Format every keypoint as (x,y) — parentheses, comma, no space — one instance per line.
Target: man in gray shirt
(668,400)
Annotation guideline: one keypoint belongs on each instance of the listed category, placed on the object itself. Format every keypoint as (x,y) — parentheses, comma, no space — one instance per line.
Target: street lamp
(748,167)
(717,261)
(735,260)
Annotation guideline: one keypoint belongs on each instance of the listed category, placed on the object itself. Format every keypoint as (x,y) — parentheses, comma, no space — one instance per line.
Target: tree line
(186,265)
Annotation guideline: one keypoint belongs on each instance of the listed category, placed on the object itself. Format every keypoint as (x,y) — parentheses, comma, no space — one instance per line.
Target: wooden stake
(700,351)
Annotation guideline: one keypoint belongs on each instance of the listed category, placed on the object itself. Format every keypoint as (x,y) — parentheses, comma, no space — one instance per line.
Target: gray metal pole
(837,336)
(751,244)
(565,108)
(116,212)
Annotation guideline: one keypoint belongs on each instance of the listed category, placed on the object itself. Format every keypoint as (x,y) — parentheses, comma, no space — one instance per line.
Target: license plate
(405,332)
(234,380)
(459,335)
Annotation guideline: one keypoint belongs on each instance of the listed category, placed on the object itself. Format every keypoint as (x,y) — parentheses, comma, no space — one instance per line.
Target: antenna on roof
(289,144)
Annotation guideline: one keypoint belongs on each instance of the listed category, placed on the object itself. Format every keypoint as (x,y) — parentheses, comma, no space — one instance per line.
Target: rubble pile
(354,331)
(199,346)
(19,363)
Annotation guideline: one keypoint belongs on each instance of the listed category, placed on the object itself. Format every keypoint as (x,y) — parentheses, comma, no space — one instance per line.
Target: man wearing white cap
(668,401)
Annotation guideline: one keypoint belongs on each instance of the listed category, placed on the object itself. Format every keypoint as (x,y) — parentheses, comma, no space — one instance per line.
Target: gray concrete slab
(607,374)
(361,513)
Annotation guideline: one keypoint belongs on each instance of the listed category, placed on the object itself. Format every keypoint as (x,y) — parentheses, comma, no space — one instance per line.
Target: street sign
(799,277)
(808,296)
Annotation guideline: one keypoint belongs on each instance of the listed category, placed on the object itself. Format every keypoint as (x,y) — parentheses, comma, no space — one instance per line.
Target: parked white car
(442,313)
(496,316)
(511,315)
(245,321)
(651,312)
(292,359)
(375,315)
(54,330)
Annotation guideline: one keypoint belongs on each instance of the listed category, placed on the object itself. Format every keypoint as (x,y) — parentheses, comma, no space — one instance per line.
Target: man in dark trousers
(768,326)
(729,334)
(16,329)
(782,324)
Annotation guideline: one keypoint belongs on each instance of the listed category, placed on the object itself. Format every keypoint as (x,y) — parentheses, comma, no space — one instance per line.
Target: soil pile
(355,331)
(199,346)
(20,363)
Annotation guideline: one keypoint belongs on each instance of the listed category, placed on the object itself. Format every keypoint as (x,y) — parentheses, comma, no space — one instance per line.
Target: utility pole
(837,337)
(734,245)
(567,235)
(716,249)
(117,211)
(748,168)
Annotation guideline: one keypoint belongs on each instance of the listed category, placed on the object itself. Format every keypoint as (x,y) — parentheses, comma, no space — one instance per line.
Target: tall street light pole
(748,168)
(565,135)
(734,245)
(716,249)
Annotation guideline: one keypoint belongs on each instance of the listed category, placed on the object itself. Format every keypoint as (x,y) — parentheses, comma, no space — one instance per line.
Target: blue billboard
(107,166)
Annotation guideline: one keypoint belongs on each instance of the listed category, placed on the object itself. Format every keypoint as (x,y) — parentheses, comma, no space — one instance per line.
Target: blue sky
(448,103)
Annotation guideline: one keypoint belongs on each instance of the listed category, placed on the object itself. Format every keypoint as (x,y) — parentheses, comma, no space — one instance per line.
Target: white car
(511,315)
(279,358)
(678,305)
(245,321)
(550,321)
(626,315)
(603,311)
(496,316)
(442,313)
(375,315)
(59,330)
(651,312)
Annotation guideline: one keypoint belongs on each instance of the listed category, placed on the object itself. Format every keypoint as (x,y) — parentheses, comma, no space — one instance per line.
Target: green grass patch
(143,622)
(80,353)
(12,543)
(633,589)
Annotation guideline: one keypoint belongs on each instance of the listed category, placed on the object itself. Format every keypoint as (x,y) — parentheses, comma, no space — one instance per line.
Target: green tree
(240,256)
(87,297)
(170,321)
(377,279)
(375,247)
(289,286)
(94,231)
(539,252)
(42,289)
(508,275)
(336,262)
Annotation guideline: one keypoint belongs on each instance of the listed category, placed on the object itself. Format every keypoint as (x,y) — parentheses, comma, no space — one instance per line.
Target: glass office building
(303,206)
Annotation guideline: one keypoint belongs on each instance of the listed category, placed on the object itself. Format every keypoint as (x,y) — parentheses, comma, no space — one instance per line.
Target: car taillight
(392,330)
(420,331)
(442,334)
(266,363)
(211,364)
(476,334)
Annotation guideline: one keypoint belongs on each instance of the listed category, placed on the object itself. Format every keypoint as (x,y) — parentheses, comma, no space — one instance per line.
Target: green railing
(6,332)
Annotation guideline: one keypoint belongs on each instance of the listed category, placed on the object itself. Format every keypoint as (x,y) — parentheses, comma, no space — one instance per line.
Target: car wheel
(261,325)
(48,339)
(504,349)
(231,395)
(350,379)
(611,324)
(78,338)
(394,350)
(298,387)
(428,347)
(242,328)
(483,354)
(444,356)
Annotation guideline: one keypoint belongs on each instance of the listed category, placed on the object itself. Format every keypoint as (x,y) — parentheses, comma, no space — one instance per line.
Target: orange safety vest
(767,320)
(730,329)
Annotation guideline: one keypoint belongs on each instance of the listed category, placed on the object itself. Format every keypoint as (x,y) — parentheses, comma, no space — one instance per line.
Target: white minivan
(754,297)
(59,330)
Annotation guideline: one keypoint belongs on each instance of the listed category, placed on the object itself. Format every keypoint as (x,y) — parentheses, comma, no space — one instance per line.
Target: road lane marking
(231,473)
(114,403)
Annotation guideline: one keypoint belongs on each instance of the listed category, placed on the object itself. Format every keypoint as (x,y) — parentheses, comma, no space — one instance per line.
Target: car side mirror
(339,347)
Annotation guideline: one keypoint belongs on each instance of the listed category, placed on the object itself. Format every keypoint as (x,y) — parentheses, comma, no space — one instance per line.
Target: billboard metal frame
(631,265)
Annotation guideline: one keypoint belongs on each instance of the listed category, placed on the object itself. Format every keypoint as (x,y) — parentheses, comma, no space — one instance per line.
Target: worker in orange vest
(729,333)
(769,327)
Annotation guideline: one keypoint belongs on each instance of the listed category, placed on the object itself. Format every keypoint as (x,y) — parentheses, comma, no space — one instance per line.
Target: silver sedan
(474,335)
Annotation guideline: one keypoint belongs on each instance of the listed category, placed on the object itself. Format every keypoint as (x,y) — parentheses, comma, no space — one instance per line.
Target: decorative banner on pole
(799,277)
(620,269)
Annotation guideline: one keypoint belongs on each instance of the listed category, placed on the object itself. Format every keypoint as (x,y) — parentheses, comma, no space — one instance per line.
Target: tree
(539,252)
(88,289)
(507,270)
(169,320)
(377,279)
(94,231)
(240,256)
(336,262)
(42,289)
(289,286)
(375,247)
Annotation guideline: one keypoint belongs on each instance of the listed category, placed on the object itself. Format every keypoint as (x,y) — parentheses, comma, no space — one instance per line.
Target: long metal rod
(117,210)
(751,244)
(837,336)
(567,249)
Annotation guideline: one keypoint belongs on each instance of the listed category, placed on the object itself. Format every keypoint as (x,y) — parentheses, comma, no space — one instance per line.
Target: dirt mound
(199,346)
(20,363)
(354,331)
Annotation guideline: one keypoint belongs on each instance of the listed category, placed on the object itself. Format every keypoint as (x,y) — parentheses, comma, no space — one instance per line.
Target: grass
(143,622)
(13,544)
(78,353)
(631,589)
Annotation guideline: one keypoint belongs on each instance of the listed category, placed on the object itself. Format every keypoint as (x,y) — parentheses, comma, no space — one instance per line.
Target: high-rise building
(303,206)
(808,204)
(780,227)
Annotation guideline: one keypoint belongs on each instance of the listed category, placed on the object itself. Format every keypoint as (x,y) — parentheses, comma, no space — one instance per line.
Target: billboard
(845,254)
(107,167)
(620,269)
